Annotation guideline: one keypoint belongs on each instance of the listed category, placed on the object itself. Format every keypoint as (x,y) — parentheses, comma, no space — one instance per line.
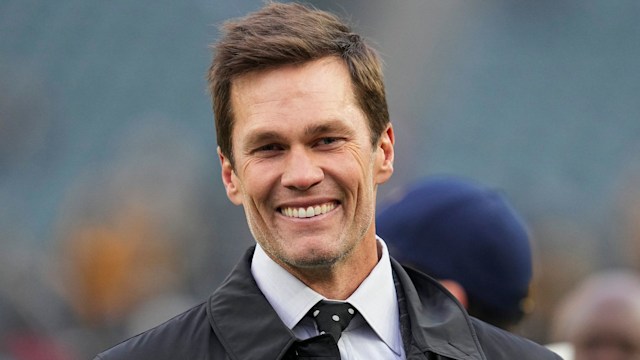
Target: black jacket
(238,323)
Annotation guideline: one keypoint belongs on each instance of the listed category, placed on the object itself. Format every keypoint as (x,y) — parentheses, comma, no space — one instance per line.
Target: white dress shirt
(375,331)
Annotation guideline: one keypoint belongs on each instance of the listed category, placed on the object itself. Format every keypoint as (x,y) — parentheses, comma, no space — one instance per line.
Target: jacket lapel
(243,319)
(439,324)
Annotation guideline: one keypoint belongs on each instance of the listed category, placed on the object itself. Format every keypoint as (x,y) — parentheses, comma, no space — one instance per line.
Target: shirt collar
(377,302)
(291,299)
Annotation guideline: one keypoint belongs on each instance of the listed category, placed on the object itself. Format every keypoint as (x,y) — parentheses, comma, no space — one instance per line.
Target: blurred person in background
(126,234)
(304,142)
(115,264)
(599,319)
(470,238)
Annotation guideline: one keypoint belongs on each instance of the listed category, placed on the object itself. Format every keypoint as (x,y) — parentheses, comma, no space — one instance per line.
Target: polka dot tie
(332,317)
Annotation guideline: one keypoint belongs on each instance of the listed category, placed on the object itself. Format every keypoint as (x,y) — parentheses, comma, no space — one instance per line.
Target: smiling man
(304,141)
(306,172)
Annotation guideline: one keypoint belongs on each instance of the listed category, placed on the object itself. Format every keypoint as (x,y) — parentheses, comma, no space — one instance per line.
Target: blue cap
(457,229)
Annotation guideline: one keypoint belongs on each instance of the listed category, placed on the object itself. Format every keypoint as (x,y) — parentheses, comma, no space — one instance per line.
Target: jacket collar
(439,324)
(243,319)
(249,328)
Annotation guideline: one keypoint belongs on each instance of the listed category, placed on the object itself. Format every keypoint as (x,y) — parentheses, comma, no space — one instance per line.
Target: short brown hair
(281,34)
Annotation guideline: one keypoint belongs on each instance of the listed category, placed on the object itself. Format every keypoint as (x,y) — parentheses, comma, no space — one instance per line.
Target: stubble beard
(315,261)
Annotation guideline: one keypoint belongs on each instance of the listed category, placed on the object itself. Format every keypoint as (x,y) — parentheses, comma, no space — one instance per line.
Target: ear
(456,290)
(230,180)
(385,155)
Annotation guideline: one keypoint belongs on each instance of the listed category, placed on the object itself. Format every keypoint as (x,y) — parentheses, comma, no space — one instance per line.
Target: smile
(307,212)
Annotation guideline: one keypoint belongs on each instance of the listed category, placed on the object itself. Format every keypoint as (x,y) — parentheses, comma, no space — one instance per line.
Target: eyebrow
(331,126)
(262,137)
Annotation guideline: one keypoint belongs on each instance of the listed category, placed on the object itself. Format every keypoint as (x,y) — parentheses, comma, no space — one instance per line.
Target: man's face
(609,331)
(305,170)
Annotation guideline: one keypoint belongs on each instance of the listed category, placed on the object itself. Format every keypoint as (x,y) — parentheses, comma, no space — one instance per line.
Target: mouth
(307,212)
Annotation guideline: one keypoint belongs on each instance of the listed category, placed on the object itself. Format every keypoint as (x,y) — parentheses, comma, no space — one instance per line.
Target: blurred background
(113,217)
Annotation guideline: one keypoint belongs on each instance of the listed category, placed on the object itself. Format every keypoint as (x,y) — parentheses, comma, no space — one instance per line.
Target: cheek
(360,158)
(348,172)
(258,179)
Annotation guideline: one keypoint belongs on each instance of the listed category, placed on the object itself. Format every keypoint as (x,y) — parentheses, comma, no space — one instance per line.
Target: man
(468,237)
(304,141)
(599,319)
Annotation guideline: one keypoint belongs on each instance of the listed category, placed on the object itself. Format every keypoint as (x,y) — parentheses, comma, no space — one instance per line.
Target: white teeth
(308,212)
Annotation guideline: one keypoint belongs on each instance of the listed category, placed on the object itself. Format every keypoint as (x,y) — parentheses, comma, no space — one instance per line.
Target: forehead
(316,90)
(612,317)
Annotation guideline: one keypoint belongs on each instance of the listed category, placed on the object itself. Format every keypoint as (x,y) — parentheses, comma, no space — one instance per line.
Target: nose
(301,171)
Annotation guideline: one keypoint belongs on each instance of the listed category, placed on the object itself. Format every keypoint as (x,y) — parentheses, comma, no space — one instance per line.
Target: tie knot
(332,317)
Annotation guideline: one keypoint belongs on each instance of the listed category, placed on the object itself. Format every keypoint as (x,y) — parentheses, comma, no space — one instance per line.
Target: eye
(329,141)
(267,149)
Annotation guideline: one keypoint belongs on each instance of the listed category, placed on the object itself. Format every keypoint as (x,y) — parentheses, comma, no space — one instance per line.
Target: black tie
(332,317)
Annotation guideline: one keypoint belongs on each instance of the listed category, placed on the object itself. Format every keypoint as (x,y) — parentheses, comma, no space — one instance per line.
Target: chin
(314,259)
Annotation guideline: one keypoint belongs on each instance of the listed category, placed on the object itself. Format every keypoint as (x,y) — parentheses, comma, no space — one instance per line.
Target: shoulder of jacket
(494,343)
(501,344)
(183,335)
